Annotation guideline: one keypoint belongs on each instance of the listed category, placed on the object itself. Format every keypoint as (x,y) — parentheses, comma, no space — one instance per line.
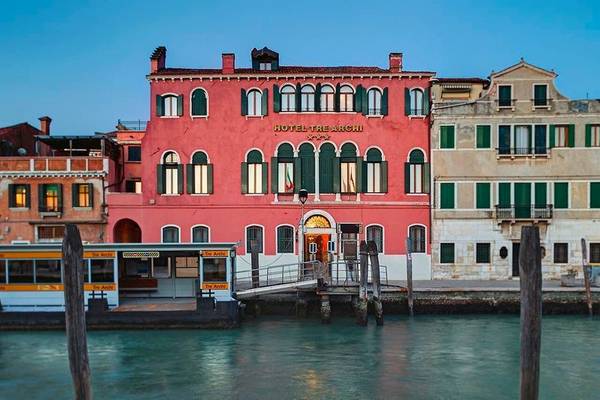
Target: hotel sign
(215,253)
(317,128)
(215,286)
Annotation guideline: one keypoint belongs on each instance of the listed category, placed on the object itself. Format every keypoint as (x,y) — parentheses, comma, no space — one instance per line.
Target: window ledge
(254,194)
(374,193)
(547,107)
(18,209)
(417,116)
(254,116)
(522,156)
(374,116)
(169,116)
(170,194)
(50,214)
(416,194)
(83,208)
(199,116)
(133,162)
(199,194)
(502,108)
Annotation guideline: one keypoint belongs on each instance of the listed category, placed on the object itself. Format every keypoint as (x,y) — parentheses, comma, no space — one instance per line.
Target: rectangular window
(285,183)
(373,177)
(522,139)
(200,178)
(134,153)
(264,66)
(20,271)
(133,185)
(19,196)
(50,233)
(170,106)
(136,267)
(483,137)
(82,195)
(102,271)
(171,179)
(254,178)
(482,253)
(595,252)
(561,133)
(482,195)
(540,95)
(561,253)
(47,271)
(161,267)
(348,177)
(561,195)
(447,137)
(50,201)
(214,270)
(416,178)
(186,267)
(504,95)
(540,139)
(447,253)
(504,139)
(592,135)
(285,239)
(594,194)
(447,195)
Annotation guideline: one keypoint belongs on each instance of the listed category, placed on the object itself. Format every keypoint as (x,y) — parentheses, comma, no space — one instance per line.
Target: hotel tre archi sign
(317,132)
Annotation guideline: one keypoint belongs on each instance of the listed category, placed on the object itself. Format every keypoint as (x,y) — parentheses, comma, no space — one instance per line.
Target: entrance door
(321,242)
(515,258)
(522,200)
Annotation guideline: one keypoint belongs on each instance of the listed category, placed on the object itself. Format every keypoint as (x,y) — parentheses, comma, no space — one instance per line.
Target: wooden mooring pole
(72,258)
(409,280)
(376,277)
(530,271)
(363,297)
(254,263)
(587,272)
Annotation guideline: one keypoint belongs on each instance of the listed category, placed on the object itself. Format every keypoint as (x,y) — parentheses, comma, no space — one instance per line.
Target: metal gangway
(306,275)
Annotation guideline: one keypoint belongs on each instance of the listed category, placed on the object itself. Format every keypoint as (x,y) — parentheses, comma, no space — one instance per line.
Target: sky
(84,63)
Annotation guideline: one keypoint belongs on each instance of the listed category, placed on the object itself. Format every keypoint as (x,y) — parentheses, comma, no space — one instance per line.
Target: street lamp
(303,196)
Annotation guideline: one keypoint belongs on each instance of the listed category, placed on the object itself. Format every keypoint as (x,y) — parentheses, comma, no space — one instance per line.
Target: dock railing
(347,272)
(279,274)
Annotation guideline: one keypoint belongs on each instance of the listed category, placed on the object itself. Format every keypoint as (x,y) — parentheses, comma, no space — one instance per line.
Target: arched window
(327,98)
(199,174)
(375,234)
(254,174)
(348,168)
(416,102)
(254,102)
(306,153)
(285,239)
(285,169)
(374,171)
(374,102)
(346,98)
(288,98)
(199,103)
(200,234)
(327,161)
(170,234)
(171,174)
(170,105)
(307,98)
(416,234)
(415,174)
(254,234)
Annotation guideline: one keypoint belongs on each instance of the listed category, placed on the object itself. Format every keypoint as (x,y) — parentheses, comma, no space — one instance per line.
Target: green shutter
(11,197)
(180,105)
(359,175)
(298,174)
(426,104)
(91,193)
(180,178)
(210,178)
(336,175)
(406,177)
(504,194)
(244,180)
(540,195)
(59,187)
(318,97)
(336,98)
(384,176)
(189,169)
(41,192)
(276,99)
(358,95)
(588,135)
(406,102)
(561,195)
(265,177)
(504,139)
(384,102)
(447,137)
(571,137)
(483,136)
(298,97)
(482,192)
(523,200)
(159,106)
(426,178)
(447,253)
(594,194)
(265,102)
(274,175)
(552,136)
(365,102)
(28,195)
(160,179)
(447,195)
(244,98)
(74,197)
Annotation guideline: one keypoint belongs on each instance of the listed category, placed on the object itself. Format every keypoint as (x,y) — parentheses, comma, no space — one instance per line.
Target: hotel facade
(227,150)
(507,152)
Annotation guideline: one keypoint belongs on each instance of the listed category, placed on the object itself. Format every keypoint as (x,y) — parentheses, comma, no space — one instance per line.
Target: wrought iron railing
(138,125)
(505,103)
(528,212)
(278,274)
(522,151)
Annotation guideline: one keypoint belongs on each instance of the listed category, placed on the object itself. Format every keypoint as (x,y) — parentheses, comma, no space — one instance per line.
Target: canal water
(428,357)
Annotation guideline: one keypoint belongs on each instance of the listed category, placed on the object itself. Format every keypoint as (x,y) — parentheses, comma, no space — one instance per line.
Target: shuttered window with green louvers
(594,194)
(482,193)
(447,253)
(447,137)
(447,195)
(483,136)
(327,162)
(561,195)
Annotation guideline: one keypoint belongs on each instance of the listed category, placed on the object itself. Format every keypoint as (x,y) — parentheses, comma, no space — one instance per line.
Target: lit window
(374,102)
(254,102)
(19,196)
(288,98)
(346,98)
(327,98)
(51,198)
(307,97)
(82,195)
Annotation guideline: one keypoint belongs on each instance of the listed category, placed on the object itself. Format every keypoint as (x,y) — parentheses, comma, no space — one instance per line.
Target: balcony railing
(505,103)
(522,151)
(528,212)
(138,125)
(541,102)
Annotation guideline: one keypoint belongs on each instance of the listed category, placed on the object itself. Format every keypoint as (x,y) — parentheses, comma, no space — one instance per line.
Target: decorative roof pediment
(523,70)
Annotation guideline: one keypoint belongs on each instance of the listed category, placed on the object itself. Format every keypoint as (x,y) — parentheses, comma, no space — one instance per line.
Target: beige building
(505,153)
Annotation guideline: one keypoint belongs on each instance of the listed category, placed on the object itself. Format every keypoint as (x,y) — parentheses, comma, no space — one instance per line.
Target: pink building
(227,150)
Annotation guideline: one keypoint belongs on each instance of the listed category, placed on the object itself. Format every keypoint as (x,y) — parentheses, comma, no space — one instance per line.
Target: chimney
(45,125)
(228,63)
(158,59)
(395,62)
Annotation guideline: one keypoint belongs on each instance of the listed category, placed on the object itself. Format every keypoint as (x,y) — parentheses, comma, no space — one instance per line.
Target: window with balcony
(505,96)
(19,196)
(540,95)
(83,195)
(522,140)
(523,201)
(374,102)
(50,197)
(416,102)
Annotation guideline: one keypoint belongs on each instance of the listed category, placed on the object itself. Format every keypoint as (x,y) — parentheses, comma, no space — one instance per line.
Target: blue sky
(84,62)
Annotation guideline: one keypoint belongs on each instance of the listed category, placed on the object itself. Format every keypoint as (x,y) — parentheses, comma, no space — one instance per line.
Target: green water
(429,357)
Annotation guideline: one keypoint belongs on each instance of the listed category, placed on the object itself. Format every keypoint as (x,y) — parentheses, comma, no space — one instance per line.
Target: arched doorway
(127,231)
(318,232)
